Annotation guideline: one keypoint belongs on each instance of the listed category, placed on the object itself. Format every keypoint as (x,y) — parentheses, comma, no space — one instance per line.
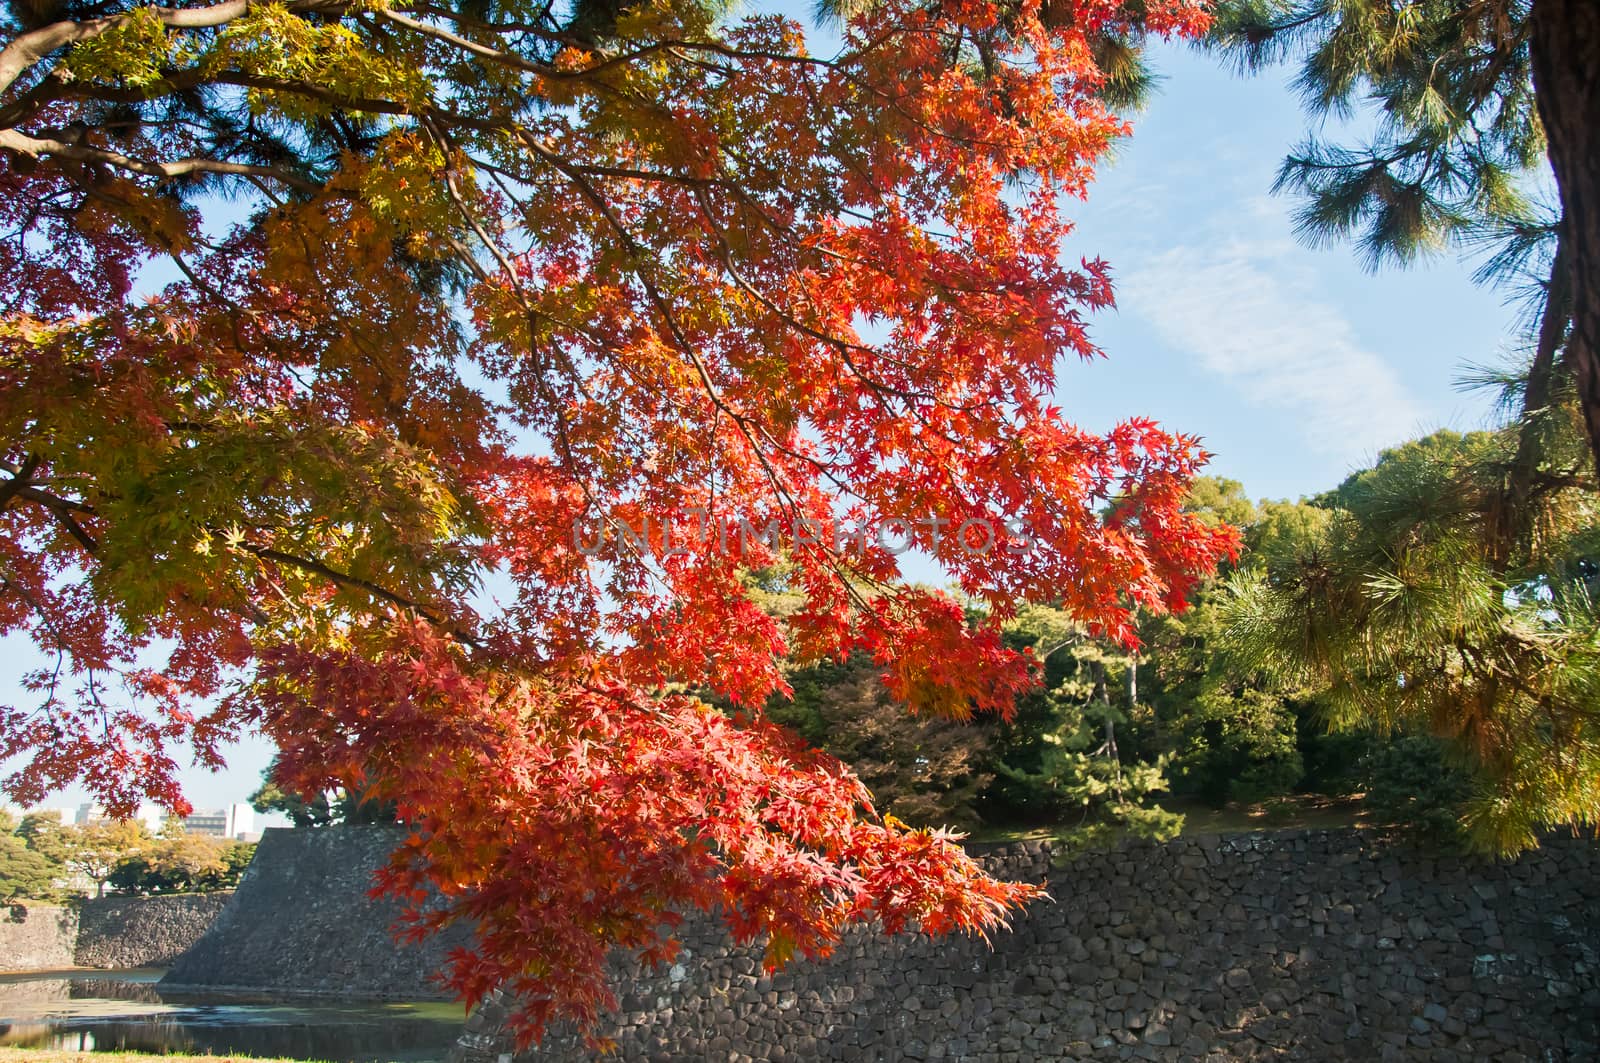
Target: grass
(1296,812)
(57,1055)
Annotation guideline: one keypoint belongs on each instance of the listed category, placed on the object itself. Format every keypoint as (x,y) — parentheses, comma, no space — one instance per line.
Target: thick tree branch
(1565,47)
(21,479)
(34,46)
(1513,522)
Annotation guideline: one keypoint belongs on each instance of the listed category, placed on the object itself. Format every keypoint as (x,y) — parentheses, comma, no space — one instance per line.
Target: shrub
(1414,783)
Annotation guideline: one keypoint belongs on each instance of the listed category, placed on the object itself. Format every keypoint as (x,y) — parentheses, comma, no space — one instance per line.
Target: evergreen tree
(1114,729)
(1076,761)
(1233,733)
(1408,617)
(321,808)
(23,872)
(1451,590)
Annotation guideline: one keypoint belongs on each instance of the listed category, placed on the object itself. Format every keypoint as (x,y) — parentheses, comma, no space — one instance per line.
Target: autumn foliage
(437,285)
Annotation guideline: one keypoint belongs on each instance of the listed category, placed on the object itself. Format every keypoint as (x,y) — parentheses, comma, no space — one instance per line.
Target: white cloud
(1245,314)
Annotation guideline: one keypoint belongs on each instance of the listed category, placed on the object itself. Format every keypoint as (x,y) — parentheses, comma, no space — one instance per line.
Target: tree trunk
(1565,44)
(1511,524)
(1103,690)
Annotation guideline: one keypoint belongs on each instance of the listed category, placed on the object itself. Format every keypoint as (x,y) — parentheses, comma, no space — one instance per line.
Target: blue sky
(1293,364)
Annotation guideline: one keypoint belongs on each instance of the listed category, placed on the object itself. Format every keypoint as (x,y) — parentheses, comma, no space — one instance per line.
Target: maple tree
(501,296)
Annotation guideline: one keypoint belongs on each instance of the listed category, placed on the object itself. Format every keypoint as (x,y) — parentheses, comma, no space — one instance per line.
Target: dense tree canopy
(1402,611)
(577,305)
(24,872)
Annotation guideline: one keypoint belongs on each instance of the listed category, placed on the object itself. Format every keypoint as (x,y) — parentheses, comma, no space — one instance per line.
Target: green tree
(23,872)
(1234,733)
(1069,753)
(44,833)
(303,811)
(1418,782)
(1180,714)
(1221,732)
(183,863)
(236,857)
(318,809)
(1410,617)
(1452,592)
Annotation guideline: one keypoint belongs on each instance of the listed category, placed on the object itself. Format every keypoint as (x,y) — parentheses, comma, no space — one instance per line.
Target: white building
(242,822)
(235,821)
(149,814)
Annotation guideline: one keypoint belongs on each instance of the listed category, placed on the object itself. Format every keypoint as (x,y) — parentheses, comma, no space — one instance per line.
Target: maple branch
(483,51)
(745,425)
(63,510)
(345,579)
(504,260)
(62,647)
(34,46)
(21,479)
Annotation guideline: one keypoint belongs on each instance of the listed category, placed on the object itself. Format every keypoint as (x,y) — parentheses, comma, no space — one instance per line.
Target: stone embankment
(105,932)
(1320,945)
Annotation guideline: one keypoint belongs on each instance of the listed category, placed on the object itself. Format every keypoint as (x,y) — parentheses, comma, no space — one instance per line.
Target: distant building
(88,814)
(235,821)
(211,824)
(241,821)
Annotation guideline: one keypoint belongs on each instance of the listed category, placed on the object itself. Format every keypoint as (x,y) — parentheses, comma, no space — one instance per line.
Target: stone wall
(36,937)
(120,932)
(1310,945)
(106,932)
(301,922)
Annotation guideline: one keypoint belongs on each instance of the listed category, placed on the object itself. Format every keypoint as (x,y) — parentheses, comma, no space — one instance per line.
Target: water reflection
(125,1011)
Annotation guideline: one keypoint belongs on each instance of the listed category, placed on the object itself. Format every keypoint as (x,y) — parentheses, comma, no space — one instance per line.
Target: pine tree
(1451,590)
(1407,617)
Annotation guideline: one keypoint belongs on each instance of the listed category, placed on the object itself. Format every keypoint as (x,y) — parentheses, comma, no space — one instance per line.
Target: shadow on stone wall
(1308,945)
(121,932)
(36,937)
(301,922)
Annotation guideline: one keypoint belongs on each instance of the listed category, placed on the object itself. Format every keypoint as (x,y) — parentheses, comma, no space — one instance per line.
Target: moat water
(125,1011)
